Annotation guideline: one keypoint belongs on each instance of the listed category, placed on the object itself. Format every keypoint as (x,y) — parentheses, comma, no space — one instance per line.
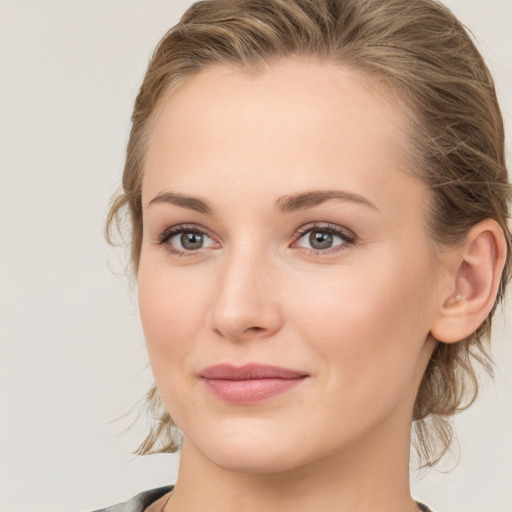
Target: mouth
(250,383)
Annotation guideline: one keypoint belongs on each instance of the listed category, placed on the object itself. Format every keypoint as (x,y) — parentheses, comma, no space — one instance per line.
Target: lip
(249,383)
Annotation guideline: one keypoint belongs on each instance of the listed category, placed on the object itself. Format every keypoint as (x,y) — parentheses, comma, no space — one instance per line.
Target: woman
(317,194)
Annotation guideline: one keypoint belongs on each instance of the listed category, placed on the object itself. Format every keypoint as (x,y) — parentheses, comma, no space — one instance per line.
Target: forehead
(296,123)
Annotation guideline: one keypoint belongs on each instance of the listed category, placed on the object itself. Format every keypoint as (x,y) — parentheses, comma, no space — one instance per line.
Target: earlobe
(473,283)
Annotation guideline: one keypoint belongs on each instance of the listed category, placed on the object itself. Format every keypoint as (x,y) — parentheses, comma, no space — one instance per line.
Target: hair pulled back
(424,55)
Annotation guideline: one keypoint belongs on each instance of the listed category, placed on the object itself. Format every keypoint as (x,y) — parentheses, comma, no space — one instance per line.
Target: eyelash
(176,230)
(347,236)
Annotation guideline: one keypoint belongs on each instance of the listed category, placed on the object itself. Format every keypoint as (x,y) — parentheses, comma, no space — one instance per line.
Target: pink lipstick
(250,383)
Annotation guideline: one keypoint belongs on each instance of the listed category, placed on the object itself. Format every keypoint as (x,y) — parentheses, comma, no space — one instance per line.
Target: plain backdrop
(72,354)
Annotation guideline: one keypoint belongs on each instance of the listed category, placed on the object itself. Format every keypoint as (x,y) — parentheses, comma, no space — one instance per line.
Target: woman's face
(282,229)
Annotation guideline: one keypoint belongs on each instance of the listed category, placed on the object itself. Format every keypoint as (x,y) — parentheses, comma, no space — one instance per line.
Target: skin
(356,317)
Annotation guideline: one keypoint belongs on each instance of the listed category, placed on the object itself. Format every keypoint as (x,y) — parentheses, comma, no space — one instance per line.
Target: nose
(246,304)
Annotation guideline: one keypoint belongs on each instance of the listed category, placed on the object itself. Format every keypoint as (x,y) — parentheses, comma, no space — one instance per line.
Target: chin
(249,451)
(255,461)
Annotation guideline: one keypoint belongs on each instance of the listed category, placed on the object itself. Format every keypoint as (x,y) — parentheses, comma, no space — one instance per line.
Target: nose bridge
(245,304)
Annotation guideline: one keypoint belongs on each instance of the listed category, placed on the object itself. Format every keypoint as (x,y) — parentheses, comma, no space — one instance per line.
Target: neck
(371,474)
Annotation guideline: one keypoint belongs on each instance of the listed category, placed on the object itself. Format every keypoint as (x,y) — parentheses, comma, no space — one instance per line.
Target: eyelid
(325,226)
(167,234)
(348,237)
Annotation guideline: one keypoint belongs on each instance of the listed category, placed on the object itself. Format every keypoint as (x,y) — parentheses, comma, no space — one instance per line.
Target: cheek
(171,314)
(368,325)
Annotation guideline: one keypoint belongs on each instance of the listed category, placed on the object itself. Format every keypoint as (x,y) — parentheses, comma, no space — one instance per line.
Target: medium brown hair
(424,55)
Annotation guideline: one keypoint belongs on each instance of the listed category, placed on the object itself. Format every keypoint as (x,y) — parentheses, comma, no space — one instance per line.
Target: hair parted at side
(424,55)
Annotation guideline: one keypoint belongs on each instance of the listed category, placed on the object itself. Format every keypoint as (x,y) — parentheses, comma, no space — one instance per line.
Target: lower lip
(250,391)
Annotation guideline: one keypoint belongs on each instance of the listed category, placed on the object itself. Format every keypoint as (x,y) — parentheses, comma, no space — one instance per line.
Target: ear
(473,282)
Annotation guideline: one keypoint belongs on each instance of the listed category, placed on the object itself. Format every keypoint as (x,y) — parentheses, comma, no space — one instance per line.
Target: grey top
(144,499)
(140,502)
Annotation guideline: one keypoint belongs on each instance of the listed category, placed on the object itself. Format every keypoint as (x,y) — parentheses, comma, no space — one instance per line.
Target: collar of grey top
(140,502)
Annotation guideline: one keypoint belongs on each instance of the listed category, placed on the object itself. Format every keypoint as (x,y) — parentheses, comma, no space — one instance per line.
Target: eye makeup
(329,238)
(313,239)
(185,234)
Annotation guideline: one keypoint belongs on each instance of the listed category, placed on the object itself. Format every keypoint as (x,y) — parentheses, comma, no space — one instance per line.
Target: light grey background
(72,355)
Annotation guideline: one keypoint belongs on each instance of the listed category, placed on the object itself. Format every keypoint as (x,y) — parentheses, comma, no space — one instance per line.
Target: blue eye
(314,239)
(185,241)
(188,240)
(322,240)
(327,238)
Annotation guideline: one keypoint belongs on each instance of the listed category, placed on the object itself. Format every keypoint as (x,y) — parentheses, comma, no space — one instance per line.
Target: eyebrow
(285,204)
(191,203)
(306,200)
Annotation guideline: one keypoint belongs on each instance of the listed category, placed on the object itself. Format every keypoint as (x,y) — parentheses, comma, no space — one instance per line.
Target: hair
(427,59)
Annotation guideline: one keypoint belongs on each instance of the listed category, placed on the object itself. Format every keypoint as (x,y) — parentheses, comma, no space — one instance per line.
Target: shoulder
(144,499)
(140,502)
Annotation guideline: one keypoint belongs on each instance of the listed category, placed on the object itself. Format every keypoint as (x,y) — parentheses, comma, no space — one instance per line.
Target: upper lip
(249,372)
